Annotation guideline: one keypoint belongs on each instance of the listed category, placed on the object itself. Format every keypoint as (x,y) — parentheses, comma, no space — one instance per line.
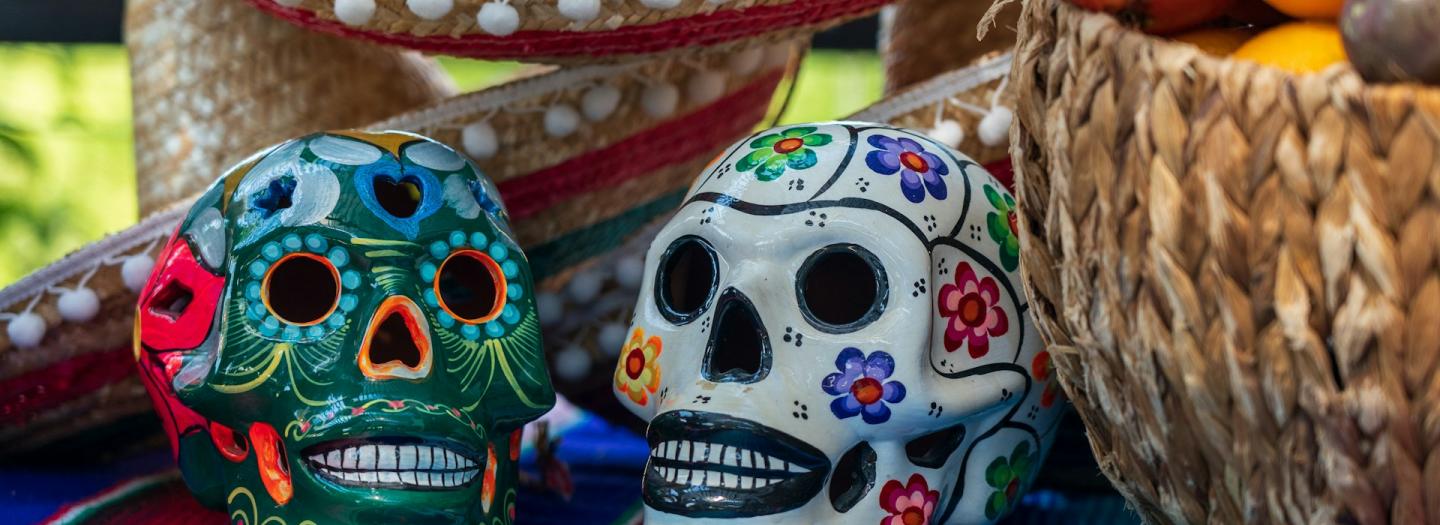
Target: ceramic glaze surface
(342,330)
(832,330)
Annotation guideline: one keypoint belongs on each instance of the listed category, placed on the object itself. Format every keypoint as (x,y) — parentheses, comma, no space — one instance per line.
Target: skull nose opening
(397,344)
(739,349)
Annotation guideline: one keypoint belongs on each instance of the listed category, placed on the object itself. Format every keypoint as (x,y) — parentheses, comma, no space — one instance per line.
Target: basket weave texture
(1238,271)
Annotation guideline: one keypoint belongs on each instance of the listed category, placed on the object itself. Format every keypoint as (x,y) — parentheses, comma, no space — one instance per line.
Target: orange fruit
(1216,41)
(1309,8)
(1297,47)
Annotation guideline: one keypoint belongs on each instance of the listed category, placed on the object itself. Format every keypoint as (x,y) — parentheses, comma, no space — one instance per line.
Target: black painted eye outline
(878,301)
(684,314)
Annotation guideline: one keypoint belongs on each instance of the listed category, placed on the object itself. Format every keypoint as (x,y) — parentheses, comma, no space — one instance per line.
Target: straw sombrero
(584,157)
(567,30)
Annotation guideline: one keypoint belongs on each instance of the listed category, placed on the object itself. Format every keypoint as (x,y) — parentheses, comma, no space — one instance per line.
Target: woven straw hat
(584,157)
(568,30)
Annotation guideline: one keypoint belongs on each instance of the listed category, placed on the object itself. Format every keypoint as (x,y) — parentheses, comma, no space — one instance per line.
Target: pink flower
(910,504)
(357,411)
(972,306)
(397,405)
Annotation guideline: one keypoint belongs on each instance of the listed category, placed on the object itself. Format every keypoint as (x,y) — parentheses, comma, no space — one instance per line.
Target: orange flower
(638,373)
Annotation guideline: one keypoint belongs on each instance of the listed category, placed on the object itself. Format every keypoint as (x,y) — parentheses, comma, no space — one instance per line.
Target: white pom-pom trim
(26,330)
(599,102)
(629,272)
(579,10)
(584,287)
(995,127)
(550,307)
(561,121)
(479,140)
(78,305)
(430,9)
(135,271)
(660,100)
(498,18)
(612,337)
(572,363)
(705,86)
(948,132)
(354,12)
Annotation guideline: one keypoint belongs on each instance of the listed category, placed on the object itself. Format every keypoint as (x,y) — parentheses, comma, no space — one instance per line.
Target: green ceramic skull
(343,330)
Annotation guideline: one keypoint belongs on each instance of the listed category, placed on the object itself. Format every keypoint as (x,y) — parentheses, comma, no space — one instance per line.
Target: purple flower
(920,170)
(861,385)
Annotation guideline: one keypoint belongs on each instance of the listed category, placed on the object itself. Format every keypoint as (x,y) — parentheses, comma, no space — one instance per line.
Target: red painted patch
(270,458)
(178,304)
(230,444)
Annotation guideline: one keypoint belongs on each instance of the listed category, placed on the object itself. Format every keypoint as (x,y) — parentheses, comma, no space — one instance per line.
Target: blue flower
(861,387)
(920,170)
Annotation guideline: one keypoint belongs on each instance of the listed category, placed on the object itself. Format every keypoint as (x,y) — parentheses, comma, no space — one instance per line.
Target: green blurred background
(67,169)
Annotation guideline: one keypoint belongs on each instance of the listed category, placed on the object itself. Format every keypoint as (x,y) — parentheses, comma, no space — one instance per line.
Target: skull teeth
(396,466)
(697,455)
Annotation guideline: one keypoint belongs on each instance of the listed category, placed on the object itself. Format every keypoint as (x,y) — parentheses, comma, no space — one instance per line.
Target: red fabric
(673,141)
(1004,171)
(164,504)
(721,26)
(27,394)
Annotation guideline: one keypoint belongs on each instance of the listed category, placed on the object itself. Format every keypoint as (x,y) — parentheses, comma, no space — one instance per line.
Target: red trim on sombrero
(1004,172)
(721,26)
(27,394)
(677,140)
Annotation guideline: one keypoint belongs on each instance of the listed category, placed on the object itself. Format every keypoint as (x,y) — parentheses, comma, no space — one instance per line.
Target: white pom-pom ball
(78,305)
(479,140)
(289,3)
(660,4)
(135,271)
(948,132)
(629,272)
(612,337)
(995,127)
(599,102)
(550,307)
(26,330)
(572,363)
(561,120)
(430,9)
(499,19)
(354,12)
(705,86)
(579,10)
(660,100)
(584,287)
(747,60)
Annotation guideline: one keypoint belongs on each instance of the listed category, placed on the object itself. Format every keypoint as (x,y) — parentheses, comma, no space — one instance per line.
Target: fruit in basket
(1160,16)
(1297,47)
(1326,9)
(1393,40)
(1256,12)
(1216,41)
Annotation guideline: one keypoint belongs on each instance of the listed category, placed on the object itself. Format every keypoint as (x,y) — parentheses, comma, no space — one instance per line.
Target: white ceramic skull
(832,330)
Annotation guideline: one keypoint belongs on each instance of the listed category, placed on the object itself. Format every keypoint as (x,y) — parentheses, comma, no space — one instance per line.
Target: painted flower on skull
(1042,368)
(911,503)
(1001,224)
(638,373)
(861,387)
(789,148)
(972,308)
(1007,477)
(920,170)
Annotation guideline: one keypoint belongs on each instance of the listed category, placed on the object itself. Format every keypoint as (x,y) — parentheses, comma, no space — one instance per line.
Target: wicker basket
(1238,268)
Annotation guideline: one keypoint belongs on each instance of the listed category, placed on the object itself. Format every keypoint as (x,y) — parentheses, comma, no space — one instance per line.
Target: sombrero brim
(542,31)
(576,190)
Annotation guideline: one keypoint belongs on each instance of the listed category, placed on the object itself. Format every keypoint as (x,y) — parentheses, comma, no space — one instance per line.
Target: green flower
(1001,223)
(773,152)
(1007,477)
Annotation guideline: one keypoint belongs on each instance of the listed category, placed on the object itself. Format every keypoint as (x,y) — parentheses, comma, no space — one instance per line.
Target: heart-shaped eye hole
(399,198)
(301,289)
(470,286)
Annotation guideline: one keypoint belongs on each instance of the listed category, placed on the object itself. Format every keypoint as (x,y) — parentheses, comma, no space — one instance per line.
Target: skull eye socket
(301,289)
(470,286)
(687,279)
(841,288)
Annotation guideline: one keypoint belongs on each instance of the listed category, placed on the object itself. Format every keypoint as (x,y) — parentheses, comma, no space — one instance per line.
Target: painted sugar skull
(343,330)
(832,330)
